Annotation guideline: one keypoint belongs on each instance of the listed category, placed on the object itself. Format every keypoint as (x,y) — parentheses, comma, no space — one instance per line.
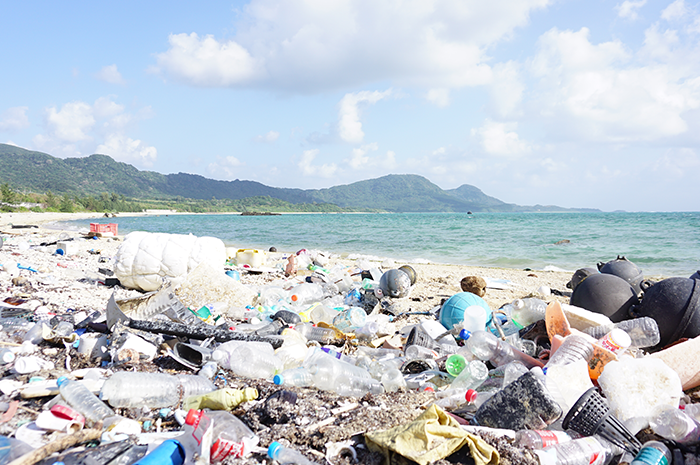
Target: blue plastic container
(452,311)
(170,452)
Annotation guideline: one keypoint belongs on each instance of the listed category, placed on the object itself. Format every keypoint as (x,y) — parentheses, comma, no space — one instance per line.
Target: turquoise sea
(665,244)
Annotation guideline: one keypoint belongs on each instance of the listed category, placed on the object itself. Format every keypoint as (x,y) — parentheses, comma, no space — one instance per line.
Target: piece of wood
(57,446)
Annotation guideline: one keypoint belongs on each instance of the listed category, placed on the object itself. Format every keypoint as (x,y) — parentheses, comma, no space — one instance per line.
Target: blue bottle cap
(464,334)
(278,379)
(61,381)
(272,450)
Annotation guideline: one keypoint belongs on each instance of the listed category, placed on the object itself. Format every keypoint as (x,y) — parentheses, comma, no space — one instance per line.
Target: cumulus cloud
(674,11)
(78,128)
(349,125)
(228,166)
(111,75)
(506,90)
(359,158)
(121,147)
(307,167)
(677,163)
(14,119)
(306,46)
(599,92)
(270,137)
(497,139)
(439,97)
(206,62)
(628,9)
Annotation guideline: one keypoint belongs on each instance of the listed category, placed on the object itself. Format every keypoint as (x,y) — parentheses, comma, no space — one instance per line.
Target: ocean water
(662,244)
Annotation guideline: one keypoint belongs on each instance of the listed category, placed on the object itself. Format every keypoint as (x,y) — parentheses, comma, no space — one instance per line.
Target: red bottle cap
(471,395)
(192,416)
(63,411)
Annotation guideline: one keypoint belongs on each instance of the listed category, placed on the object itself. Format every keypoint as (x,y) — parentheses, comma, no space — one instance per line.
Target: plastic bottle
(282,454)
(643,332)
(653,453)
(588,450)
(453,398)
(693,410)
(169,452)
(676,425)
(81,399)
(573,348)
(393,380)
(154,390)
(6,356)
(249,359)
(325,336)
(305,294)
(616,341)
(539,439)
(230,436)
(486,346)
(350,319)
(527,311)
(339,356)
(272,295)
(11,448)
(299,377)
(15,328)
(472,376)
(356,386)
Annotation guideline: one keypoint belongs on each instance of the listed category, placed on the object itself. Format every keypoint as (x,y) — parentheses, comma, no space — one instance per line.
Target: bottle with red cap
(217,434)
(453,398)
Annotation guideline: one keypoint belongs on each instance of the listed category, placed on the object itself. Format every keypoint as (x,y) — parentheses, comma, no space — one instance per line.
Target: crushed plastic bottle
(643,332)
(230,436)
(282,454)
(81,399)
(588,450)
(539,439)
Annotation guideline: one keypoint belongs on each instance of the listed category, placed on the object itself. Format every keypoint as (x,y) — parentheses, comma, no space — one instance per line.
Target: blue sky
(573,103)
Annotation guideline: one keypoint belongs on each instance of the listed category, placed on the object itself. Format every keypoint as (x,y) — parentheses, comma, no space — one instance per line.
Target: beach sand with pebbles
(319,423)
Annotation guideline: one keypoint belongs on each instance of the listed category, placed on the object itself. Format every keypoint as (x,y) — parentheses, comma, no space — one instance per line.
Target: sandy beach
(435,281)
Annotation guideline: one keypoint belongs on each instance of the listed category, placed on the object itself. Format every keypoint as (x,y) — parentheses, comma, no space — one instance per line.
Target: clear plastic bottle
(653,453)
(393,380)
(6,356)
(154,390)
(282,454)
(350,319)
(693,410)
(230,436)
(453,398)
(306,294)
(527,311)
(81,399)
(588,450)
(15,328)
(249,359)
(573,348)
(472,376)
(299,377)
(539,439)
(643,332)
(486,346)
(676,425)
(325,336)
(357,387)
(340,356)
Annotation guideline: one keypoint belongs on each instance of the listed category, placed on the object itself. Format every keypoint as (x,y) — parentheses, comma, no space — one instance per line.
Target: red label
(548,438)
(223,448)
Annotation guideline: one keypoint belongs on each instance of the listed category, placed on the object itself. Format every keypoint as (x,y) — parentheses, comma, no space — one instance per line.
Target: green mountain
(31,171)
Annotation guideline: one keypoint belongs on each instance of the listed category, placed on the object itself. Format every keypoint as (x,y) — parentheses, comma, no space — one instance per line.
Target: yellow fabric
(223,399)
(432,436)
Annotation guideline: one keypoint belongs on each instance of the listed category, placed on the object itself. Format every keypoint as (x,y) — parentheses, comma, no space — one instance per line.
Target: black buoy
(395,283)
(674,304)
(625,269)
(607,294)
(579,275)
(410,272)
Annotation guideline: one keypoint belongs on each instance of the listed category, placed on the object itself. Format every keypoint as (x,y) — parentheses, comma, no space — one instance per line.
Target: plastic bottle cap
(61,381)
(278,379)
(464,334)
(272,450)
(295,297)
(192,416)
(67,413)
(471,395)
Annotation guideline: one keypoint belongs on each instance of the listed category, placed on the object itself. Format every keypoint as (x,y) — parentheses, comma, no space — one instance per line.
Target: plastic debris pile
(209,366)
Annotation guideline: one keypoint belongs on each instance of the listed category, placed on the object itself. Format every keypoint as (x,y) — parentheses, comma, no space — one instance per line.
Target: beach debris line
(301,356)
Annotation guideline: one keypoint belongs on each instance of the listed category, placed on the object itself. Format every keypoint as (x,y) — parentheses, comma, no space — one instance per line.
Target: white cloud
(439,97)
(71,122)
(359,158)
(311,46)
(674,11)
(309,169)
(599,92)
(678,163)
(226,166)
(270,137)
(207,62)
(349,125)
(78,128)
(111,75)
(14,119)
(126,149)
(628,9)
(497,139)
(506,89)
